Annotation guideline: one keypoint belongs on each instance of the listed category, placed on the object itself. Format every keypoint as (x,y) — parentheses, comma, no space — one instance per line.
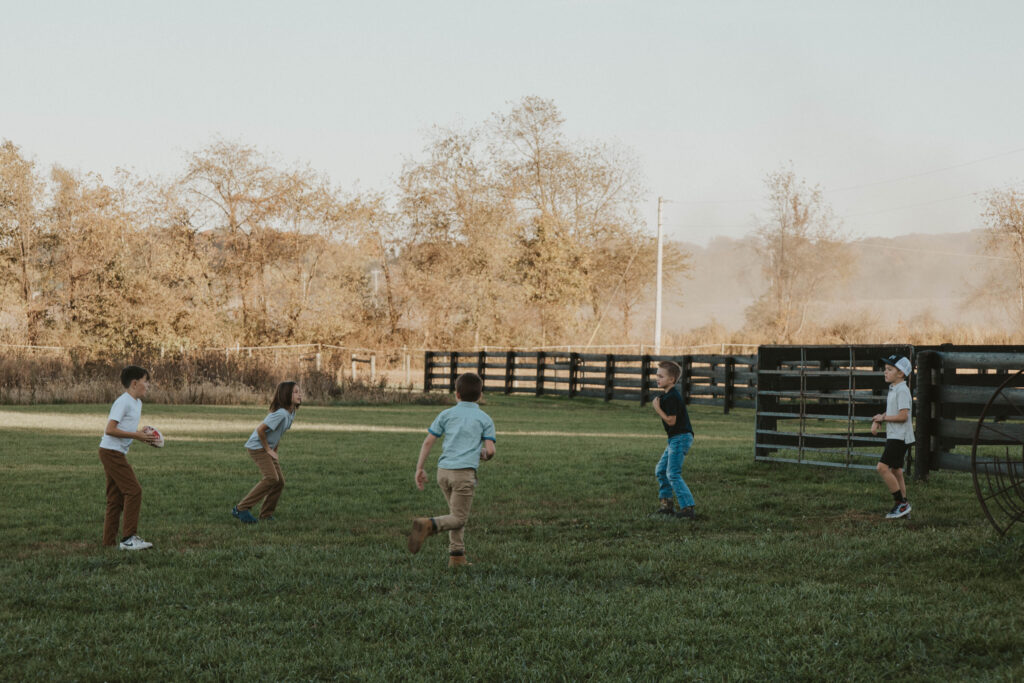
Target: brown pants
(269,487)
(123,493)
(458,487)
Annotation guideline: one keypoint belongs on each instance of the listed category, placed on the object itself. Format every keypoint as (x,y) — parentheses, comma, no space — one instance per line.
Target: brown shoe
(667,507)
(458,561)
(421,528)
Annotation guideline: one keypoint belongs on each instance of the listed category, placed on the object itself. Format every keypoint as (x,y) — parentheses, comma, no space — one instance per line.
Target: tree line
(506,233)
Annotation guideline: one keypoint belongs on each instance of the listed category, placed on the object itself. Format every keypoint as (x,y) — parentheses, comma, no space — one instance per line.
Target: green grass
(788,573)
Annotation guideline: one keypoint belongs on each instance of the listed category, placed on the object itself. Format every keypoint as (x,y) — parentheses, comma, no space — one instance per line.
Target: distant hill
(895,281)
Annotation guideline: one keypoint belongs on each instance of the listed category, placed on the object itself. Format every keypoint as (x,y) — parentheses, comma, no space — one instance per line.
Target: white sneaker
(135,543)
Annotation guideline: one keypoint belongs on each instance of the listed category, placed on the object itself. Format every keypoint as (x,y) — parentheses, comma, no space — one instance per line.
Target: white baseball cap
(901,363)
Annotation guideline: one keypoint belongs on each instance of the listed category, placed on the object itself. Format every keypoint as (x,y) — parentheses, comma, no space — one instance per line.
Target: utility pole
(657,296)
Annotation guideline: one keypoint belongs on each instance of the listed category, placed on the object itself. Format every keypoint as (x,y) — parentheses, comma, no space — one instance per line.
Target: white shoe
(135,543)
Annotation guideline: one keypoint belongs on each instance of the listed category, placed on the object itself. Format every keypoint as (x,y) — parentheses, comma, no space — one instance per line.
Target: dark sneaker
(667,507)
(900,510)
(686,513)
(244,516)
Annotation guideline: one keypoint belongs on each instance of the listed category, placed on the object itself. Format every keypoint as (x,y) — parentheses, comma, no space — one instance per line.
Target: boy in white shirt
(123,490)
(899,432)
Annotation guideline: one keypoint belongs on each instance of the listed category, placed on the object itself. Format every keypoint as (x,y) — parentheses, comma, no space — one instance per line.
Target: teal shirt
(464,427)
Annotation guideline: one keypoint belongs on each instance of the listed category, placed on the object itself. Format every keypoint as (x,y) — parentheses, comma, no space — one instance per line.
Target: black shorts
(895,453)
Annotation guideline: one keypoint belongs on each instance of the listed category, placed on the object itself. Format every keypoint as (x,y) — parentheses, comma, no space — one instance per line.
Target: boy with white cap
(899,432)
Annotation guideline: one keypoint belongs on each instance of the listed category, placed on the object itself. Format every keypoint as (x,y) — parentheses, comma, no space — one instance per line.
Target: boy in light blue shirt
(469,437)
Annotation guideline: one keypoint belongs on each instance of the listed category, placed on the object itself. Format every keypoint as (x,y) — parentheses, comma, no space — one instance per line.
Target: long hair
(283,397)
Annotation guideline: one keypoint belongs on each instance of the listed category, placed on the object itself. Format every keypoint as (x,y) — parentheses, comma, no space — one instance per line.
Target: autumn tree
(20,235)
(1003,236)
(804,253)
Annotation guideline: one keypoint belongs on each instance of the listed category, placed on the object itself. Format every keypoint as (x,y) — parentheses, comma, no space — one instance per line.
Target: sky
(904,112)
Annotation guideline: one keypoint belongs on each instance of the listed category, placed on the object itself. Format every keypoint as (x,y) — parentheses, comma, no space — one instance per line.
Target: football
(159,443)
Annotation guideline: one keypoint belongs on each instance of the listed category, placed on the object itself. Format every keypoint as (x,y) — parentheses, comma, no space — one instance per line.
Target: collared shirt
(464,427)
(898,399)
(127,410)
(277,423)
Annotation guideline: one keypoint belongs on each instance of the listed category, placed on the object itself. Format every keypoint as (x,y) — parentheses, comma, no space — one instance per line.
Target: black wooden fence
(722,380)
(815,403)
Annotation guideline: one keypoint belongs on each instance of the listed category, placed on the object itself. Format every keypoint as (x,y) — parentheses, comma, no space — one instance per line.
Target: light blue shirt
(277,423)
(464,427)
(127,411)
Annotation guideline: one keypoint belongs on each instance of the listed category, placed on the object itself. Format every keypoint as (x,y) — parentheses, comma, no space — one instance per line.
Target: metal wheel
(997,455)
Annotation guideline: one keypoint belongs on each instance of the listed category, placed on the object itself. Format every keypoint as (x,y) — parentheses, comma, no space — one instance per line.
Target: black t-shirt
(672,404)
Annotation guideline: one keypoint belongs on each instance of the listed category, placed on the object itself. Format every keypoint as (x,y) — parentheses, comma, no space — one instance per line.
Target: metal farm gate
(815,403)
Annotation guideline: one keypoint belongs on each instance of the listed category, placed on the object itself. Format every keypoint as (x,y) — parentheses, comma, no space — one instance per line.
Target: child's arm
(261,432)
(421,474)
(901,416)
(487,450)
(670,420)
(113,430)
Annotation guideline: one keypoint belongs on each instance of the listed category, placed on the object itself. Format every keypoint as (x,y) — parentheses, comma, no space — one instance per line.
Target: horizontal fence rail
(709,379)
(815,404)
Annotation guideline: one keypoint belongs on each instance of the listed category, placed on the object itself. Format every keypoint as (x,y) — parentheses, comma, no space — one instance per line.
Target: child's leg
(888,477)
(458,487)
(112,516)
(129,490)
(661,473)
(678,447)
(902,483)
(264,485)
(270,504)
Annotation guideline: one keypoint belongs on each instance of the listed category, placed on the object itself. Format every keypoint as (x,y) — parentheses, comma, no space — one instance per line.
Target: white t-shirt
(127,411)
(899,399)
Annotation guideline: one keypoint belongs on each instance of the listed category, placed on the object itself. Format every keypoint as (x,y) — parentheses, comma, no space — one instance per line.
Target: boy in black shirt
(672,411)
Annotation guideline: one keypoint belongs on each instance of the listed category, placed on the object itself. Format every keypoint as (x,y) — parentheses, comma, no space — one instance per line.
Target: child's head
(135,380)
(668,373)
(288,395)
(468,387)
(897,368)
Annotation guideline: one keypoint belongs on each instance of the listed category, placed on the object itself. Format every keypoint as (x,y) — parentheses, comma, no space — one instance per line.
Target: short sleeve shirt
(277,423)
(464,427)
(672,403)
(127,411)
(899,398)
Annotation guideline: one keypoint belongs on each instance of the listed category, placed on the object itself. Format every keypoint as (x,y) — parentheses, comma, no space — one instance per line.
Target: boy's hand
(656,402)
(146,437)
(874,428)
(421,478)
(272,452)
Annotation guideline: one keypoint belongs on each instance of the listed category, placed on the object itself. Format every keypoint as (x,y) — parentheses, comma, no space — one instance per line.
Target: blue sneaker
(244,516)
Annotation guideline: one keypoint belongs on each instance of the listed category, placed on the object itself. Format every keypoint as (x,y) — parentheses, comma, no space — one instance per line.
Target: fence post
(453,370)
(510,370)
(926,412)
(609,377)
(541,357)
(481,366)
(687,378)
(645,379)
(574,369)
(428,366)
(730,382)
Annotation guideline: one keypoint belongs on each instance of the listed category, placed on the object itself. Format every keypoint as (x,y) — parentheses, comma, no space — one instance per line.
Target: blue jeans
(670,470)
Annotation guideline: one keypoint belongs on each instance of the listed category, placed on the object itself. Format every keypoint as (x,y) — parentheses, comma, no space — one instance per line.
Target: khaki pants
(458,487)
(269,487)
(124,493)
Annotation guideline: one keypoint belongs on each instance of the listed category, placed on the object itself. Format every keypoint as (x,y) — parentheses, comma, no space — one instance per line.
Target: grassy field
(788,573)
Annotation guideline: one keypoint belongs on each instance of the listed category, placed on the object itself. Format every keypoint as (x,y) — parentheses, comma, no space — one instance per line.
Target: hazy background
(903,112)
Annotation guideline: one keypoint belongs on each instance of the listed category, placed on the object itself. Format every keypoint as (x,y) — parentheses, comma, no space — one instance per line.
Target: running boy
(899,433)
(262,447)
(672,411)
(124,493)
(469,437)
